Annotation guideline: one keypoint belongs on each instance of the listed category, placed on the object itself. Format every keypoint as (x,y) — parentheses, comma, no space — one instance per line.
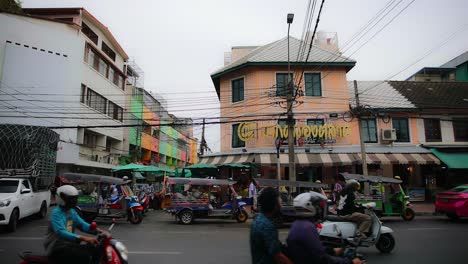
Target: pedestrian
(253,194)
(349,211)
(339,186)
(265,247)
(319,189)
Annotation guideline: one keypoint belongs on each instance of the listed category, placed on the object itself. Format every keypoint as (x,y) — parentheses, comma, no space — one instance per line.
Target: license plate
(103,211)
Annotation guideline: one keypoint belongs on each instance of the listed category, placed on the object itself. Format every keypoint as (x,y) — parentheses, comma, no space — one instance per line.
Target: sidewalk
(423,208)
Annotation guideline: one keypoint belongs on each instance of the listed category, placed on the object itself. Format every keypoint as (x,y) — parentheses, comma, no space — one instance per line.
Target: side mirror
(25,190)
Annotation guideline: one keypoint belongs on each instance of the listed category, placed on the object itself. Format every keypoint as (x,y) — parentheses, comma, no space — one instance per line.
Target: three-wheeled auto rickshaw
(193,198)
(288,211)
(105,196)
(386,192)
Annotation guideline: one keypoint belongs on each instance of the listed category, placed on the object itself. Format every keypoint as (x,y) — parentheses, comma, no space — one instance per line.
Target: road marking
(21,238)
(425,228)
(155,252)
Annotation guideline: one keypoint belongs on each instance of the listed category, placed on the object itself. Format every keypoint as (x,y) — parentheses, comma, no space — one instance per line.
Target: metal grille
(27,151)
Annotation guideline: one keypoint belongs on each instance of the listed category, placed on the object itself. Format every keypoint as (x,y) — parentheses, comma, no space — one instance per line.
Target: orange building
(251,89)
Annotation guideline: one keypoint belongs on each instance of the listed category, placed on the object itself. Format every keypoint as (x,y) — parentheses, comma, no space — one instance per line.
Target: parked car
(18,200)
(454,202)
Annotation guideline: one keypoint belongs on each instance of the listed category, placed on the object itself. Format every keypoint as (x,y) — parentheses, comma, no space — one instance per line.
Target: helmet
(310,204)
(397,177)
(67,196)
(353,183)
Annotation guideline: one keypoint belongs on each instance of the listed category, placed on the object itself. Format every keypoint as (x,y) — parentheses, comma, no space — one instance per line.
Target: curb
(425,214)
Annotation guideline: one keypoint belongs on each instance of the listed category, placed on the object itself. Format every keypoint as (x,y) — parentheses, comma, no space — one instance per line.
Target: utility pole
(289,99)
(203,142)
(361,131)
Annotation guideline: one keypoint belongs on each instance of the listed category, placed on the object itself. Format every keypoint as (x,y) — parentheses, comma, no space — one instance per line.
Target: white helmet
(313,203)
(67,196)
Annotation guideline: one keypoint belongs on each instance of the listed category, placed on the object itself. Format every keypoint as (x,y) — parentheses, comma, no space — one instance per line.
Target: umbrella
(182,172)
(201,166)
(138,176)
(131,166)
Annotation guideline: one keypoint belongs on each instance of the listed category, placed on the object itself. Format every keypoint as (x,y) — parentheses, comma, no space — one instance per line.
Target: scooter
(111,251)
(339,233)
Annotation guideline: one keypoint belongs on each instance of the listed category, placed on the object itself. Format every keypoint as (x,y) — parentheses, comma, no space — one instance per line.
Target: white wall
(26,72)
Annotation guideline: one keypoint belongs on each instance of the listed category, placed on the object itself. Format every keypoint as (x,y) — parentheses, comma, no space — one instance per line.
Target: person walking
(253,194)
(265,247)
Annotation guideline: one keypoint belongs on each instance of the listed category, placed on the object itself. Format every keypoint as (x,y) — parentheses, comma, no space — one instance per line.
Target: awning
(398,158)
(225,159)
(138,176)
(452,160)
(321,159)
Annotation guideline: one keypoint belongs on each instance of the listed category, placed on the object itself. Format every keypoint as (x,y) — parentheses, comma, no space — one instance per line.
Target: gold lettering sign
(247,131)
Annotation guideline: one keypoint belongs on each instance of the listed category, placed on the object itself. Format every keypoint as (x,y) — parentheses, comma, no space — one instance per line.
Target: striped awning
(322,159)
(224,159)
(325,159)
(399,158)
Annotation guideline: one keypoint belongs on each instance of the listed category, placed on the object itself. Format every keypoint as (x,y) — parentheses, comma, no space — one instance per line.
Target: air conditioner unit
(389,134)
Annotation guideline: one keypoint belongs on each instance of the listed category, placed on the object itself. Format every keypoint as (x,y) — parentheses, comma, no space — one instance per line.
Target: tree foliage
(11,6)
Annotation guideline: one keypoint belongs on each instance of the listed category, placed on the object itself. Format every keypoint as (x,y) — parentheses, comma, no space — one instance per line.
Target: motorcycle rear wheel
(386,243)
(136,217)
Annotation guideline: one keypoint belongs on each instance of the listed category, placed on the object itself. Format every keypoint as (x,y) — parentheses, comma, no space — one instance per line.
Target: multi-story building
(251,90)
(453,70)
(61,67)
(154,140)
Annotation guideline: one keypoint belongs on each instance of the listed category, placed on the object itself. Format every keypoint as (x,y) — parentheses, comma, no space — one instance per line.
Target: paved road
(160,240)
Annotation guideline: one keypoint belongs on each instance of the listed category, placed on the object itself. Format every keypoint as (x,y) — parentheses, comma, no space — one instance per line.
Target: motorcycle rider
(303,240)
(62,244)
(348,210)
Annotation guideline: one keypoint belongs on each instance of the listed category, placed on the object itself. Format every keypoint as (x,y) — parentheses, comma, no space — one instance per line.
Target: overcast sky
(179,43)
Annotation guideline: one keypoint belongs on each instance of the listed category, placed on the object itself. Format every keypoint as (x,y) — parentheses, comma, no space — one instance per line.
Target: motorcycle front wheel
(242,216)
(135,217)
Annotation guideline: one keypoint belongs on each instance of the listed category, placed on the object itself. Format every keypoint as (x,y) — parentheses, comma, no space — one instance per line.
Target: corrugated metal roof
(379,94)
(457,60)
(278,52)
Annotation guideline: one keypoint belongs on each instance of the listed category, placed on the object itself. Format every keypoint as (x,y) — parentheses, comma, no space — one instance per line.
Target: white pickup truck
(18,200)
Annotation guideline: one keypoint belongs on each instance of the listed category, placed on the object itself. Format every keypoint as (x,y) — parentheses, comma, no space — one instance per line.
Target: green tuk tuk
(386,193)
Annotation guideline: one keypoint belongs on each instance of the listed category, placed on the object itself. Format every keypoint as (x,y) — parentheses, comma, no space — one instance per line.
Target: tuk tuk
(193,198)
(288,211)
(386,192)
(105,196)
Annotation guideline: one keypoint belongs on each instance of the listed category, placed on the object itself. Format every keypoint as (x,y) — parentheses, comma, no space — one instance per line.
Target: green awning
(138,176)
(201,166)
(150,169)
(452,160)
(131,166)
(181,172)
(235,165)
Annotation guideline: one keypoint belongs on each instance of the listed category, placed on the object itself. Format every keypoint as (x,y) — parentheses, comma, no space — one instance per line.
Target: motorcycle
(144,200)
(111,251)
(337,232)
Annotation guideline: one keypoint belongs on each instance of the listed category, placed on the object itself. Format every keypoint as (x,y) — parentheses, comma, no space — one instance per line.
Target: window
(146,128)
(460,129)
(104,66)
(282,83)
(432,130)
(89,33)
(108,51)
(313,84)
(316,122)
(236,142)
(25,185)
(83,93)
(369,128)
(89,139)
(115,111)
(402,130)
(237,87)
(108,144)
(96,101)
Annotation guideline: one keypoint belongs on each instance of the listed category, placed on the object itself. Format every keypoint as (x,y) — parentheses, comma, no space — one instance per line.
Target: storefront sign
(313,134)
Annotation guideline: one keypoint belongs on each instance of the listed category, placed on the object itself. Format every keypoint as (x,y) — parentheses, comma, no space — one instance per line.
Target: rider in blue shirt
(62,244)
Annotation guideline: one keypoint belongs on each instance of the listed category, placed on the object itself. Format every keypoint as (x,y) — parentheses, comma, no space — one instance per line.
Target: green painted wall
(136,107)
(461,74)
